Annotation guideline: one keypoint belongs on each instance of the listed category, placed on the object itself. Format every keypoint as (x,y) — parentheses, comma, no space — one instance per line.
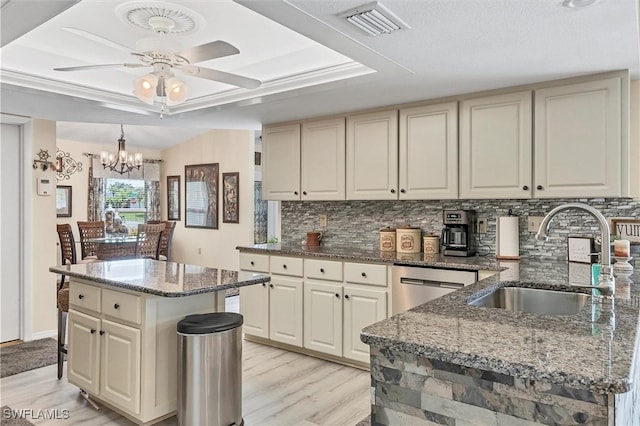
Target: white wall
(234,151)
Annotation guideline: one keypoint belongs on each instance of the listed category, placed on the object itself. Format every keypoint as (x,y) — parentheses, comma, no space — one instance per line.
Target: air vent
(374,19)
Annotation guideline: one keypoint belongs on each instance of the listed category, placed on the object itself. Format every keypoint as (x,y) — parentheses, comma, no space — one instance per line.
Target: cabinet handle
(364,274)
(539,187)
(393,191)
(252,263)
(81,296)
(284,266)
(402,190)
(295,192)
(346,296)
(271,285)
(337,295)
(525,188)
(116,306)
(304,192)
(93,331)
(322,270)
(102,332)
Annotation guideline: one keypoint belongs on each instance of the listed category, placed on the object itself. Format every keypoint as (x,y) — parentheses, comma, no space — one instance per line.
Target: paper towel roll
(508,238)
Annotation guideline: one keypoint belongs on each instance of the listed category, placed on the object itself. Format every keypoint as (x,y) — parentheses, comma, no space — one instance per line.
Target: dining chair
(88,231)
(148,241)
(68,255)
(164,251)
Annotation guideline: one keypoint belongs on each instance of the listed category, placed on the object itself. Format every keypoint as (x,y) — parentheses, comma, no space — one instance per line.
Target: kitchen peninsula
(122,345)
(448,362)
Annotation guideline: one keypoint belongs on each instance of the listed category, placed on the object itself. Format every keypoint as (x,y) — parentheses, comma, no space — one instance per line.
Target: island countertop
(167,279)
(596,349)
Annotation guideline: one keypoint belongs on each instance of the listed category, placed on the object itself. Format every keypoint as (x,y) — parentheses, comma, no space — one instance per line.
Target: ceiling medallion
(160,17)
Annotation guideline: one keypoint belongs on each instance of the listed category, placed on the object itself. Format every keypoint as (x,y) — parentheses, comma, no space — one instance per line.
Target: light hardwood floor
(279,388)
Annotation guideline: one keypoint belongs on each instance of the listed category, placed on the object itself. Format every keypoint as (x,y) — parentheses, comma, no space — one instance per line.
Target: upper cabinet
(578,143)
(372,156)
(495,146)
(281,165)
(322,162)
(428,152)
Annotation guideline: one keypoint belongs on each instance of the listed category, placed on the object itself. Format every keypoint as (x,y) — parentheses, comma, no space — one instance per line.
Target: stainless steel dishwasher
(414,285)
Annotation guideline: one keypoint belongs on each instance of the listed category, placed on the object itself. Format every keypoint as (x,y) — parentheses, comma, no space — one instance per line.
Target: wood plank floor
(280,388)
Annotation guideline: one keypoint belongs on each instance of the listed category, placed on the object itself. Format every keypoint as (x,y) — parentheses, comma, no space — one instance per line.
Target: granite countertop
(595,349)
(474,263)
(168,279)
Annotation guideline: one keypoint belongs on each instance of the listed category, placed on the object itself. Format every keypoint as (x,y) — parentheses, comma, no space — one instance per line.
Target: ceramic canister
(431,244)
(408,239)
(388,239)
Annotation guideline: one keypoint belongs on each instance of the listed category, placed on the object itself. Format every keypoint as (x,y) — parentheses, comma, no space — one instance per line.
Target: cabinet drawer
(254,262)
(286,265)
(365,273)
(323,269)
(122,306)
(84,296)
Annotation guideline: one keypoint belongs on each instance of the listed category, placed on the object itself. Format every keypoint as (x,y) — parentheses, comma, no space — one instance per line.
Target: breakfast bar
(122,345)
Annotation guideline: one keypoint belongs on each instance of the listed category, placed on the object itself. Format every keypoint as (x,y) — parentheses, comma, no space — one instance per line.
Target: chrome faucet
(606,282)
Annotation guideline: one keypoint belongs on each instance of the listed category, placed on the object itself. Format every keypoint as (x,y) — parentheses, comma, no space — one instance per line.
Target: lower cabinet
(362,307)
(285,310)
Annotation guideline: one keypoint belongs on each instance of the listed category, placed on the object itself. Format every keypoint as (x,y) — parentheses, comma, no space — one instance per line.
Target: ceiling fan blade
(221,76)
(97,67)
(204,52)
(101,40)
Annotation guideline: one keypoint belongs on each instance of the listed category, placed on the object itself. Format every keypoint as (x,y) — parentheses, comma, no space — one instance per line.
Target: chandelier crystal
(122,162)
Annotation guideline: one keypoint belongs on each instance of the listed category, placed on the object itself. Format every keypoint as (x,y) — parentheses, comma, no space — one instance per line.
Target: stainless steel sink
(534,300)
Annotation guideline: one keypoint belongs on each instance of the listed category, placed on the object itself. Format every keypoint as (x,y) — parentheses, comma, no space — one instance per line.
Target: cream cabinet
(285,310)
(496,146)
(322,162)
(372,156)
(428,152)
(281,162)
(112,331)
(578,143)
(323,317)
(363,306)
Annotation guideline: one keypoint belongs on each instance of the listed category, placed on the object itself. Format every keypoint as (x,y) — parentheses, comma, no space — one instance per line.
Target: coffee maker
(458,233)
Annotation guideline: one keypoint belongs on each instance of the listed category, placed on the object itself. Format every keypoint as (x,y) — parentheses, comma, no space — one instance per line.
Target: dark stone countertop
(167,279)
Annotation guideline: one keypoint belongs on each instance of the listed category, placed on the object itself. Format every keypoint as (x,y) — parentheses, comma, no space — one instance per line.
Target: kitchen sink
(533,300)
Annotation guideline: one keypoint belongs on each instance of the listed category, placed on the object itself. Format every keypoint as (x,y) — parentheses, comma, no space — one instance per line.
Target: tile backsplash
(356,223)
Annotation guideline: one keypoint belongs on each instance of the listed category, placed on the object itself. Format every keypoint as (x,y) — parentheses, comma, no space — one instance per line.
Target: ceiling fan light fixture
(145,88)
(175,90)
(374,19)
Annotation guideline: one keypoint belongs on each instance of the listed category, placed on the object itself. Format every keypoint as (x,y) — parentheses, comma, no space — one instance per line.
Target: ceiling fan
(162,81)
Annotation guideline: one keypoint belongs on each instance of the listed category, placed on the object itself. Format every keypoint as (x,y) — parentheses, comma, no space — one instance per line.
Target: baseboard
(44,334)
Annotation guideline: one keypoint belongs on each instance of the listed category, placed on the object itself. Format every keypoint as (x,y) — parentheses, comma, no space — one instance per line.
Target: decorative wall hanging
(201,196)
(43,161)
(66,166)
(230,189)
(173,197)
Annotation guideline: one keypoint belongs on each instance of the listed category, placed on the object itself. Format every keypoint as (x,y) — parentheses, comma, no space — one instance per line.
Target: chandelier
(122,162)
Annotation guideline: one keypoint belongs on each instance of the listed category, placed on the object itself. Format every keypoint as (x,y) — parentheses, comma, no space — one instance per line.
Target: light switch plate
(533,223)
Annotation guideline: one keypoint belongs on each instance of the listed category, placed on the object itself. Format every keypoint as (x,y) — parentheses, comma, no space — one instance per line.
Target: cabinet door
(120,366)
(323,317)
(495,147)
(428,161)
(362,307)
(578,141)
(372,156)
(254,307)
(322,150)
(285,310)
(83,366)
(281,162)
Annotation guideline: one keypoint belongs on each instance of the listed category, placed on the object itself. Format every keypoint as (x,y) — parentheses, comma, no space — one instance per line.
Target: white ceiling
(311,62)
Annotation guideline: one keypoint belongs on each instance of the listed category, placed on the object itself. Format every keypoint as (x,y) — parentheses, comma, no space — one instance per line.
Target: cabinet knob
(539,187)
(364,274)
(264,284)
(284,266)
(322,270)
(295,192)
(252,263)
(304,192)
(81,296)
(525,188)
(393,191)
(116,306)
(93,331)
(101,332)
(402,190)
(271,285)
(337,295)
(346,296)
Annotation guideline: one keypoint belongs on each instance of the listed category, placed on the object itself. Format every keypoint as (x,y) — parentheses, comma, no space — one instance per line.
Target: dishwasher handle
(430,283)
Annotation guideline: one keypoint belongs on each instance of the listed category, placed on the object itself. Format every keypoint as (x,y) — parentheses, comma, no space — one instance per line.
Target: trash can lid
(215,322)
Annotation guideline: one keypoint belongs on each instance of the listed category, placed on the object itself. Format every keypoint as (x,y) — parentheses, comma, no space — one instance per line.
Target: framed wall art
(173,197)
(626,229)
(63,200)
(230,197)
(201,196)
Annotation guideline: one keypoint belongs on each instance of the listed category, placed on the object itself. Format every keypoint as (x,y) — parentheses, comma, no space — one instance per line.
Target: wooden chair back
(67,247)
(89,230)
(149,240)
(165,238)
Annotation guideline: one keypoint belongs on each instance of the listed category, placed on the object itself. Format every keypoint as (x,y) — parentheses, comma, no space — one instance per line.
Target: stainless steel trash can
(210,370)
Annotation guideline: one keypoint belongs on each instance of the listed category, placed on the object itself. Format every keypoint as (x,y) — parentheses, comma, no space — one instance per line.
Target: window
(128,198)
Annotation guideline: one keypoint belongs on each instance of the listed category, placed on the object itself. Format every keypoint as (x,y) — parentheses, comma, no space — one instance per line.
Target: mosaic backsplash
(356,223)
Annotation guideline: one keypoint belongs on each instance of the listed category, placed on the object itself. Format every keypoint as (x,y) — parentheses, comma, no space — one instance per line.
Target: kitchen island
(451,363)
(122,345)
